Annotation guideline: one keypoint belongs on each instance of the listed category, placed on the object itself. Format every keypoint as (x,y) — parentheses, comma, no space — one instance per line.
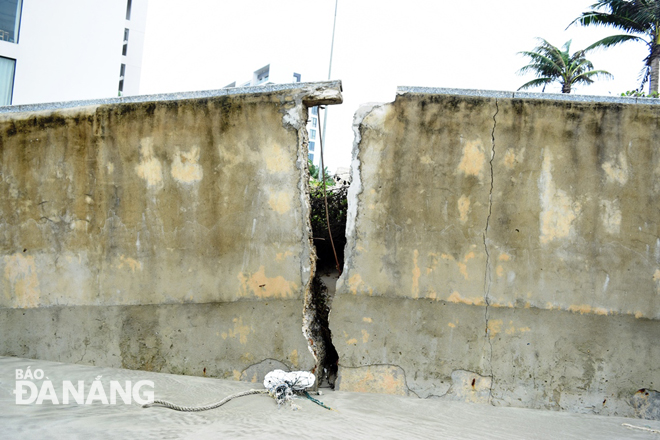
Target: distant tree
(550,64)
(315,174)
(639,19)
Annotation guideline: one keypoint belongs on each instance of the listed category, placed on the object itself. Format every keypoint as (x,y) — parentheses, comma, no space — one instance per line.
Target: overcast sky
(379,45)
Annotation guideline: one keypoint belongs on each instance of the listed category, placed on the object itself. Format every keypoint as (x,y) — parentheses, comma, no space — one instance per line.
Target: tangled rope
(280,385)
(176,407)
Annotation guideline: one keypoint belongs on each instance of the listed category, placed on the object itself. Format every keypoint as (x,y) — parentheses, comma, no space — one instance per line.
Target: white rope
(640,428)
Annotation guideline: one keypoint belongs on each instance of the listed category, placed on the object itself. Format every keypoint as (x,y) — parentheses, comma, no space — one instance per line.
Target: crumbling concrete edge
(355,189)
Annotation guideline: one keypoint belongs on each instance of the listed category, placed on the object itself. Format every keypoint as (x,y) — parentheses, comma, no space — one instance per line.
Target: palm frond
(588,77)
(599,19)
(612,41)
(536,83)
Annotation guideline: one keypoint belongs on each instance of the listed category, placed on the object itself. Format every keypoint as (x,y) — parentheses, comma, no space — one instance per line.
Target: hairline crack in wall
(167,233)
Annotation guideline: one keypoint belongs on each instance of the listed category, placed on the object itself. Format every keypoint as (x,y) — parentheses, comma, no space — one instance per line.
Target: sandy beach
(355,415)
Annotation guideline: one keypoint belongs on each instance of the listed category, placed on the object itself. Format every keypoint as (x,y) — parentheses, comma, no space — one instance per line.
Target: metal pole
(332,47)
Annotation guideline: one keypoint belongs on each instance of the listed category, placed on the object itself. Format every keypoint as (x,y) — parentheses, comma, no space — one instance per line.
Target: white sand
(356,416)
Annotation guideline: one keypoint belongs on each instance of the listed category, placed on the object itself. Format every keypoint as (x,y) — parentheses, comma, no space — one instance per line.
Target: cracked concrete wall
(167,234)
(504,250)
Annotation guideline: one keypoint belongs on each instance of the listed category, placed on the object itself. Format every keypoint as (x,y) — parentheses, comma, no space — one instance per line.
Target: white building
(281,74)
(63,50)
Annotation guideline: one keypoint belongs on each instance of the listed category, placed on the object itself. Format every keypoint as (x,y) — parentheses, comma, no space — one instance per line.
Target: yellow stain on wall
(373,379)
(416,273)
(351,341)
(21,275)
(280,202)
(369,320)
(132,264)
(472,162)
(452,325)
(656,275)
(355,282)
(240,330)
(463,208)
(511,158)
(494,327)
(617,171)
(512,329)
(456,298)
(558,210)
(499,271)
(365,336)
(294,358)
(504,257)
(462,267)
(149,168)
(261,286)
(236,375)
(281,256)
(186,167)
(276,159)
(580,308)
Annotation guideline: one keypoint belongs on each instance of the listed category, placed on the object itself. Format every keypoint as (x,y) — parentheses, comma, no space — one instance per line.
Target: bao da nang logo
(35,387)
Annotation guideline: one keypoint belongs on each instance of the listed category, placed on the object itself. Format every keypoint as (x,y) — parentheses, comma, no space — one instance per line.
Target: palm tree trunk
(566,88)
(655,67)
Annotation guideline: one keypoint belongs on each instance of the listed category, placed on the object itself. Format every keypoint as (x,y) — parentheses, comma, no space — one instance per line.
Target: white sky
(379,45)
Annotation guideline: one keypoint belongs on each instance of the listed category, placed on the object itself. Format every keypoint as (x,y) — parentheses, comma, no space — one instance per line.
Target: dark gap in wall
(323,285)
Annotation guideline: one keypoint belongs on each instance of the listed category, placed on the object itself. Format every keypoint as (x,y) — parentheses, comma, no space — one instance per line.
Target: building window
(310,156)
(315,111)
(122,74)
(128,10)
(311,145)
(7,67)
(125,48)
(314,122)
(261,76)
(312,134)
(10,19)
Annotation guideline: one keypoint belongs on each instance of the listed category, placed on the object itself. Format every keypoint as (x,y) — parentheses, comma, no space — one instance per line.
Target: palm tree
(550,64)
(639,19)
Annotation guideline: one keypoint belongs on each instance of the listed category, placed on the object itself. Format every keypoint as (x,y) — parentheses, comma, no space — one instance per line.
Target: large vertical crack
(487,273)
(318,300)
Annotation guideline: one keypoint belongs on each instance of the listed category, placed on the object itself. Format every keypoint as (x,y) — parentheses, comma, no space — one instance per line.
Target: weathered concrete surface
(161,235)
(504,250)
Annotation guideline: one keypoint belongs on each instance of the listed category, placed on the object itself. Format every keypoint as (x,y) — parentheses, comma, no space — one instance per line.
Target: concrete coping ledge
(401,90)
(318,94)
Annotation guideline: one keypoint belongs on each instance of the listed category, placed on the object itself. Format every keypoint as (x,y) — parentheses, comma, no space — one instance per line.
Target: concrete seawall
(166,233)
(506,250)
(502,248)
